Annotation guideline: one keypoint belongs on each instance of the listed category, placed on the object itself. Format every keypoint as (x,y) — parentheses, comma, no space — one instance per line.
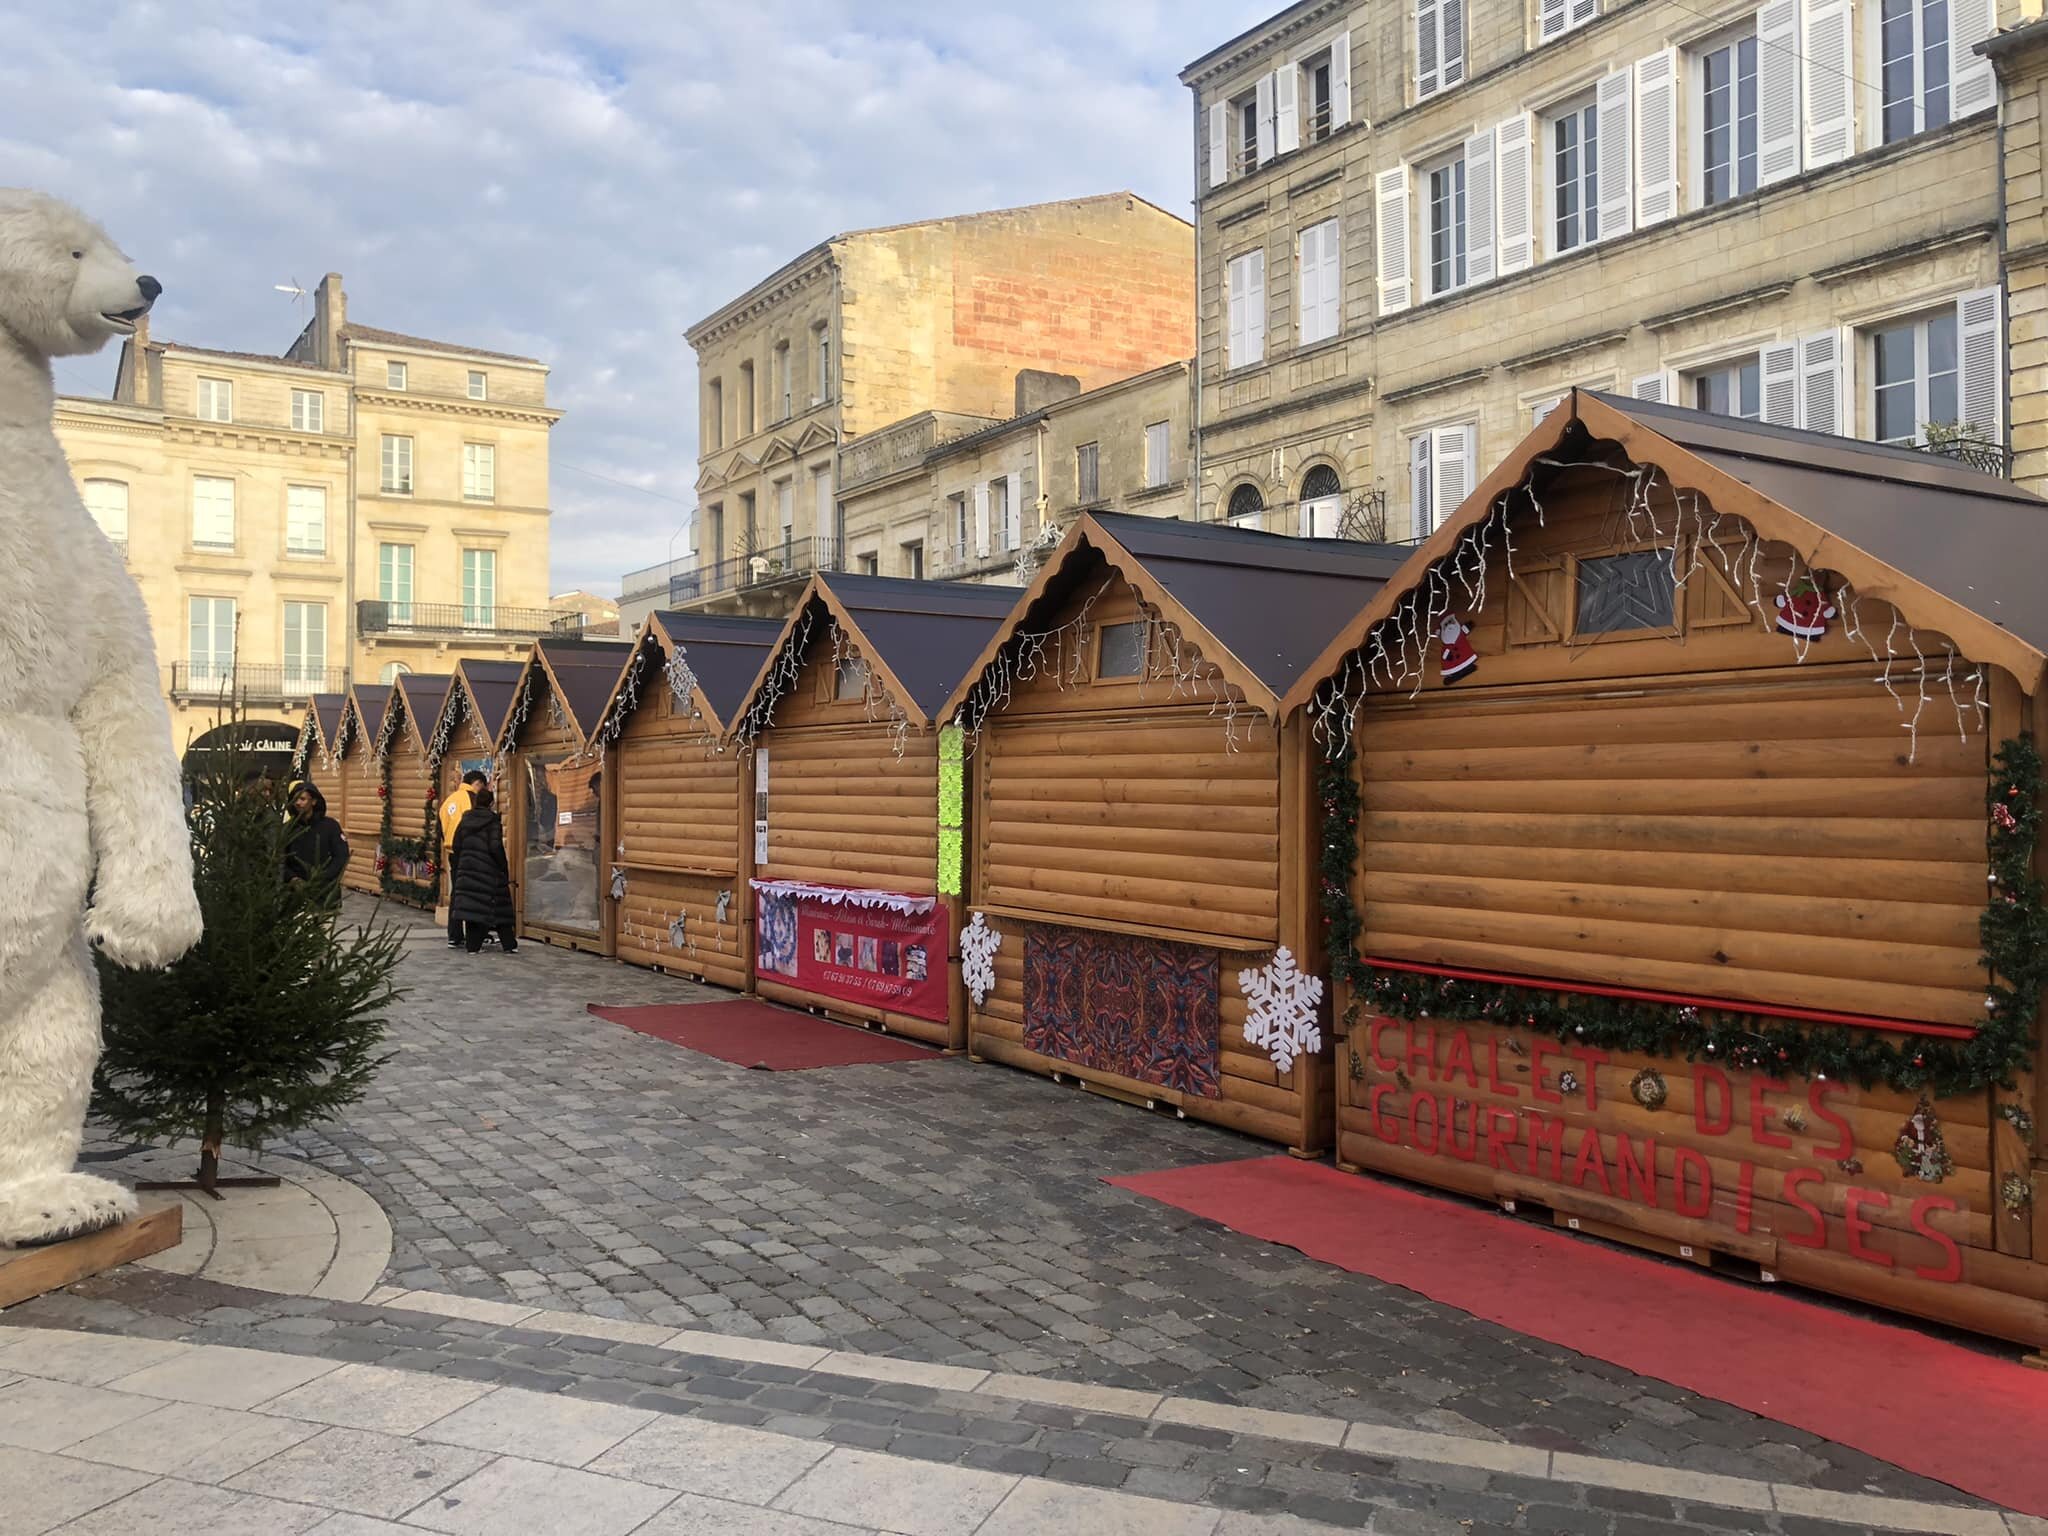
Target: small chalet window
(1122,651)
(851,683)
(1618,593)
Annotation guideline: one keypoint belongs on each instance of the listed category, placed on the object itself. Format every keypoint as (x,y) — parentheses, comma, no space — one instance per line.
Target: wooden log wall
(1701,810)
(685,807)
(411,784)
(362,818)
(844,808)
(1112,804)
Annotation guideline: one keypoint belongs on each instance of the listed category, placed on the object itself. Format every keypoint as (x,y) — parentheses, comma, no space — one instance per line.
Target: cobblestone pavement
(933,1211)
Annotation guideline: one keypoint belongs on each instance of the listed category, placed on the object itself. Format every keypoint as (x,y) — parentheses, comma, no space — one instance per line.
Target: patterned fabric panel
(1140,1008)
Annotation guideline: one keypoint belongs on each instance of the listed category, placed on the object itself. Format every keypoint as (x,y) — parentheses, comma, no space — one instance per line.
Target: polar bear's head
(65,288)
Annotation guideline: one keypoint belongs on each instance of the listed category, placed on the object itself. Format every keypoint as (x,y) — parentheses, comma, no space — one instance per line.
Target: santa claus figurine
(1804,611)
(1459,659)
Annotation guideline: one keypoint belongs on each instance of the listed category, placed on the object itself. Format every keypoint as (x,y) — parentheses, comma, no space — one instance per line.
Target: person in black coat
(480,889)
(314,850)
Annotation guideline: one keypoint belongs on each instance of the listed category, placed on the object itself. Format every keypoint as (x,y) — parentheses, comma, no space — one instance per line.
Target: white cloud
(576,182)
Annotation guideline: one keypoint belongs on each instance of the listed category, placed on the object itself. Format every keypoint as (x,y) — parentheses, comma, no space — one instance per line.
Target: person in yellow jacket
(453,809)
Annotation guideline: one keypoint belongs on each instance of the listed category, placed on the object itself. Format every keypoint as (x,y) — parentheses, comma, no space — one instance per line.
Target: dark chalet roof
(724,654)
(424,694)
(492,685)
(584,674)
(371,700)
(327,708)
(1978,540)
(926,634)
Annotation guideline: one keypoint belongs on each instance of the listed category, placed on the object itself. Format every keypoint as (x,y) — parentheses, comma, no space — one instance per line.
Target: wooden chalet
(408,852)
(551,791)
(1694,861)
(1145,817)
(473,712)
(319,738)
(684,796)
(842,730)
(361,771)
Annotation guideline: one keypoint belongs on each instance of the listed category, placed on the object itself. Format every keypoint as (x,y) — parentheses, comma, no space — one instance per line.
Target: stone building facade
(364,503)
(966,499)
(1419,225)
(879,327)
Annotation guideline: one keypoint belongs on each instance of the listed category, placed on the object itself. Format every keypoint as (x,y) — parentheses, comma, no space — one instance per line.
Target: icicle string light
(1649,513)
(782,676)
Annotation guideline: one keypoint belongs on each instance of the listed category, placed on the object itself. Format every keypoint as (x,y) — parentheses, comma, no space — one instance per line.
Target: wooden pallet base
(26,1272)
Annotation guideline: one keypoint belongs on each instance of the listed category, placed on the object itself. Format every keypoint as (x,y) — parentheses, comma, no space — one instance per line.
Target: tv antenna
(291,288)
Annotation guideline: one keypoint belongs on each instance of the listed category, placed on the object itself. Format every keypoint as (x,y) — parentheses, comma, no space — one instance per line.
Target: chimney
(330,315)
(1037,388)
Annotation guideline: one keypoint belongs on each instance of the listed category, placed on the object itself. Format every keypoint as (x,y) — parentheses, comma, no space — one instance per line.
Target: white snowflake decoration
(1280,1009)
(978,946)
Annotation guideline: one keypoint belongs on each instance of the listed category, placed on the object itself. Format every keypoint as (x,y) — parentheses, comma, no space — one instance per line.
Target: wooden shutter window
(1779,366)
(1514,145)
(1391,206)
(1452,20)
(1219,144)
(1972,86)
(1777,91)
(981,520)
(1263,108)
(1980,395)
(1656,139)
(1428,66)
(1552,18)
(1829,71)
(1654,387)
(1340,80)
(1287,108)
(1255,307)
(1617,200)
(1479,191)
(1821,378)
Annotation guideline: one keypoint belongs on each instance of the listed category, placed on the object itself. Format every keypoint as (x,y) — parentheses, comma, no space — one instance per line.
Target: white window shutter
(1453,453)
(1516,209)
(1264,110)
(1239,272)
(1552,18)
(1654,387)
(981,521)
(1333,279)
(1340,80)
(1310,265)
(1777,91)
(1779,366)
(1822,382)
(1980,343)
(1013,512)
(1421,514)
(1583,11)
(1617,201)
(1287,108)
(1219,144)
(1255,308)
(1656,139)
(1479,222)
(1452,14)
(1391,212)
(1972,87)
(1829,69)
(1429,77)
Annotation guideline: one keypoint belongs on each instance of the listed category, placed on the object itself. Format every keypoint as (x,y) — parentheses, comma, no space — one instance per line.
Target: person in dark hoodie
(314,848)
(480,890)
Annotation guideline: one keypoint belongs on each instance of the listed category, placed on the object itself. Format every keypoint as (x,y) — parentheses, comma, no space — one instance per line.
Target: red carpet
(1932,1407)
(755,1034)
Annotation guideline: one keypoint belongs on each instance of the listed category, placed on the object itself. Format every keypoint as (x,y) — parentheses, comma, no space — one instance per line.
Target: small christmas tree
(275,1019)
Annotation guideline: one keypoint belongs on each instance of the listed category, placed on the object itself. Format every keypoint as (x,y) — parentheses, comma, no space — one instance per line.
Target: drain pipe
(1195,363)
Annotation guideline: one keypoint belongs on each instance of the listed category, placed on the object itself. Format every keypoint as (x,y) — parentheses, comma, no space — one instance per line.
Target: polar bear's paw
(146,926)
(52,1207)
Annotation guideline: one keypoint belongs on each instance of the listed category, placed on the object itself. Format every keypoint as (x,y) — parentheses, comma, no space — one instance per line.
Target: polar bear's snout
(125,319)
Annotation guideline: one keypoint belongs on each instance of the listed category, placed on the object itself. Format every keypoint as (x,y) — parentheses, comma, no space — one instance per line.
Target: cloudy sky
(576,181)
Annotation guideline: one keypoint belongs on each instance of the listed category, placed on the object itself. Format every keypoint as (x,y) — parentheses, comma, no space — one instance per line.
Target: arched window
(1322,502)
(107,501)
(1246,503)
(394,670)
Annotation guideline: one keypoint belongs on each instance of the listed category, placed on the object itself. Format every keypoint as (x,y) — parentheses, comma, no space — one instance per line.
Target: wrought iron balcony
(1972,453)
(490,621)
(795,560)
(260,683)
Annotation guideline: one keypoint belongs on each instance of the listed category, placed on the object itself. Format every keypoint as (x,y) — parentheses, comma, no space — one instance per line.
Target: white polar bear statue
(93,847)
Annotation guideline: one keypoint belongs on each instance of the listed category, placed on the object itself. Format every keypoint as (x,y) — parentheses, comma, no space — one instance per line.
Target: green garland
(2013,930)
(426,848)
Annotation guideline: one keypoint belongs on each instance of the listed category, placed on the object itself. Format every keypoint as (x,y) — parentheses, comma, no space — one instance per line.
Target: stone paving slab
(604,1471)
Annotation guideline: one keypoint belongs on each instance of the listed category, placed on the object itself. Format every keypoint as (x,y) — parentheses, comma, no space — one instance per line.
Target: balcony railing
(1971,453)
(792,561)
(261,683)
(375,616)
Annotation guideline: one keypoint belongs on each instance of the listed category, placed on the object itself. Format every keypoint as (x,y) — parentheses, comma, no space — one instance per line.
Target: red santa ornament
(1459,659)
(1805,610)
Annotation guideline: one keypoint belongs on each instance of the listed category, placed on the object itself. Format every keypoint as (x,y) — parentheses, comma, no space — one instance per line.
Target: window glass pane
(561,800)
(1750,390)
(1895,68)
(107,501)
(1934,63)
(1942,403)
(1716,114)
(1625,592)
(1745,124)
(851,682)
(1122,652)
(1892,350)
